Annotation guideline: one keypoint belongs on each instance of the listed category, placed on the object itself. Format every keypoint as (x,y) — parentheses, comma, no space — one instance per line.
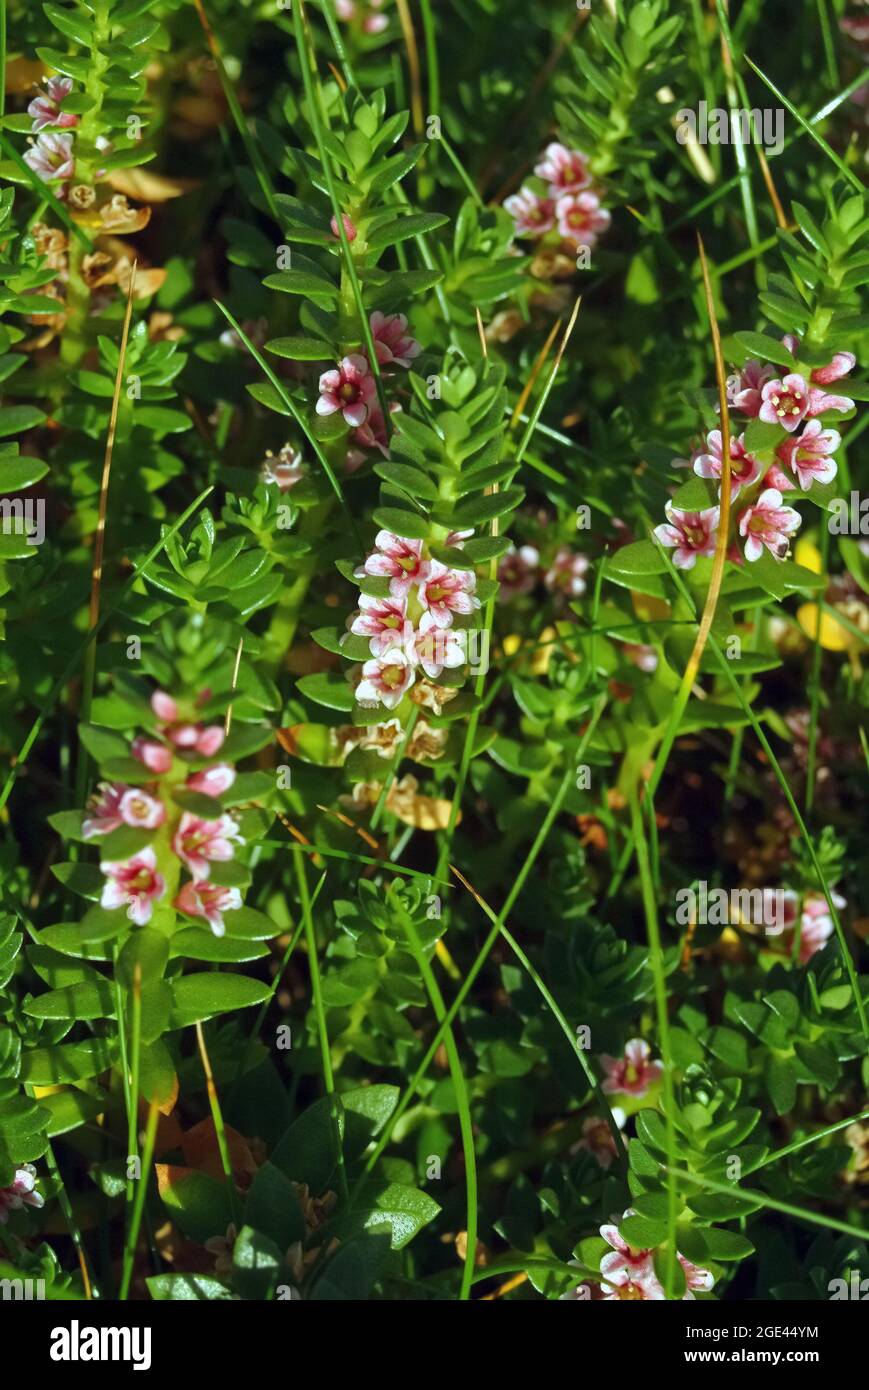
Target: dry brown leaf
(22,75)
(200,1148)
(147,187)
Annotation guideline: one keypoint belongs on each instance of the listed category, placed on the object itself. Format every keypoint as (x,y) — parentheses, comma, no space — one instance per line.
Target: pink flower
(212,781)
(372,435)
(198,842)
(392,342)
(517,571)
(156,756)
(626,1286)
(45,109)
(785,402)
(566,171)
(209,740)
(139,809)
(633,1074)
(385,679)
(434,648)
(807,454)
(51,157)
(777,478)
(384,620)
(767,523)
(371,23)
(816,923)
(532,214)
(581,218)
(641,655)
(744,389)
(210,900)
(135,882)
(819,402)
(444,591)
(695,1277)
(565,573)
(625,1258)
(744,467)
(839,365)
(193,738)
(692,534)
(105,810)
(284,469)
(349,230)
(350,388)
(21,1192)
(597,1139)
(400,559)
(165,708)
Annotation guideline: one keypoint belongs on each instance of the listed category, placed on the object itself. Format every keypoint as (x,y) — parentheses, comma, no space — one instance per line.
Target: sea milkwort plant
(433,560)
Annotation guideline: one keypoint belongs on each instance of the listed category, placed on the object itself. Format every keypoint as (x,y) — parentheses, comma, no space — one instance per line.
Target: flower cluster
(520,570)
(568,205)
(350,388)
(181,838)
(628,1273)
(762,521)
(20,1193)
(367,15)
(51,154)
(410,630)
(816,922)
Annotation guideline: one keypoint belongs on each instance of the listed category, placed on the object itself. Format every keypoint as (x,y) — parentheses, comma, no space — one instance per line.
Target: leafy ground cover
(433,565)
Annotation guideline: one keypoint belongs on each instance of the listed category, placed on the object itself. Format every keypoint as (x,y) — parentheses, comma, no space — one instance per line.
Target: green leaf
(196,944)
(67,1110)
(273,1207)
(250,925)
(14,419)
(329,689)
(19,472)
(642,1233)
(766,348)
(640,557)
(301,282)
(198,1204)
(87,1000)
(202,996)
(404,1209)
(761,437)
(403,227)
(352,1269)
(256,1263)
(84,879)
(819,1062)
(78,68)
(781,1081)
(147,952)
(308,1152)
(726,1245)
(409,524)
(301,349)
(188,1288)
(49,1066)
